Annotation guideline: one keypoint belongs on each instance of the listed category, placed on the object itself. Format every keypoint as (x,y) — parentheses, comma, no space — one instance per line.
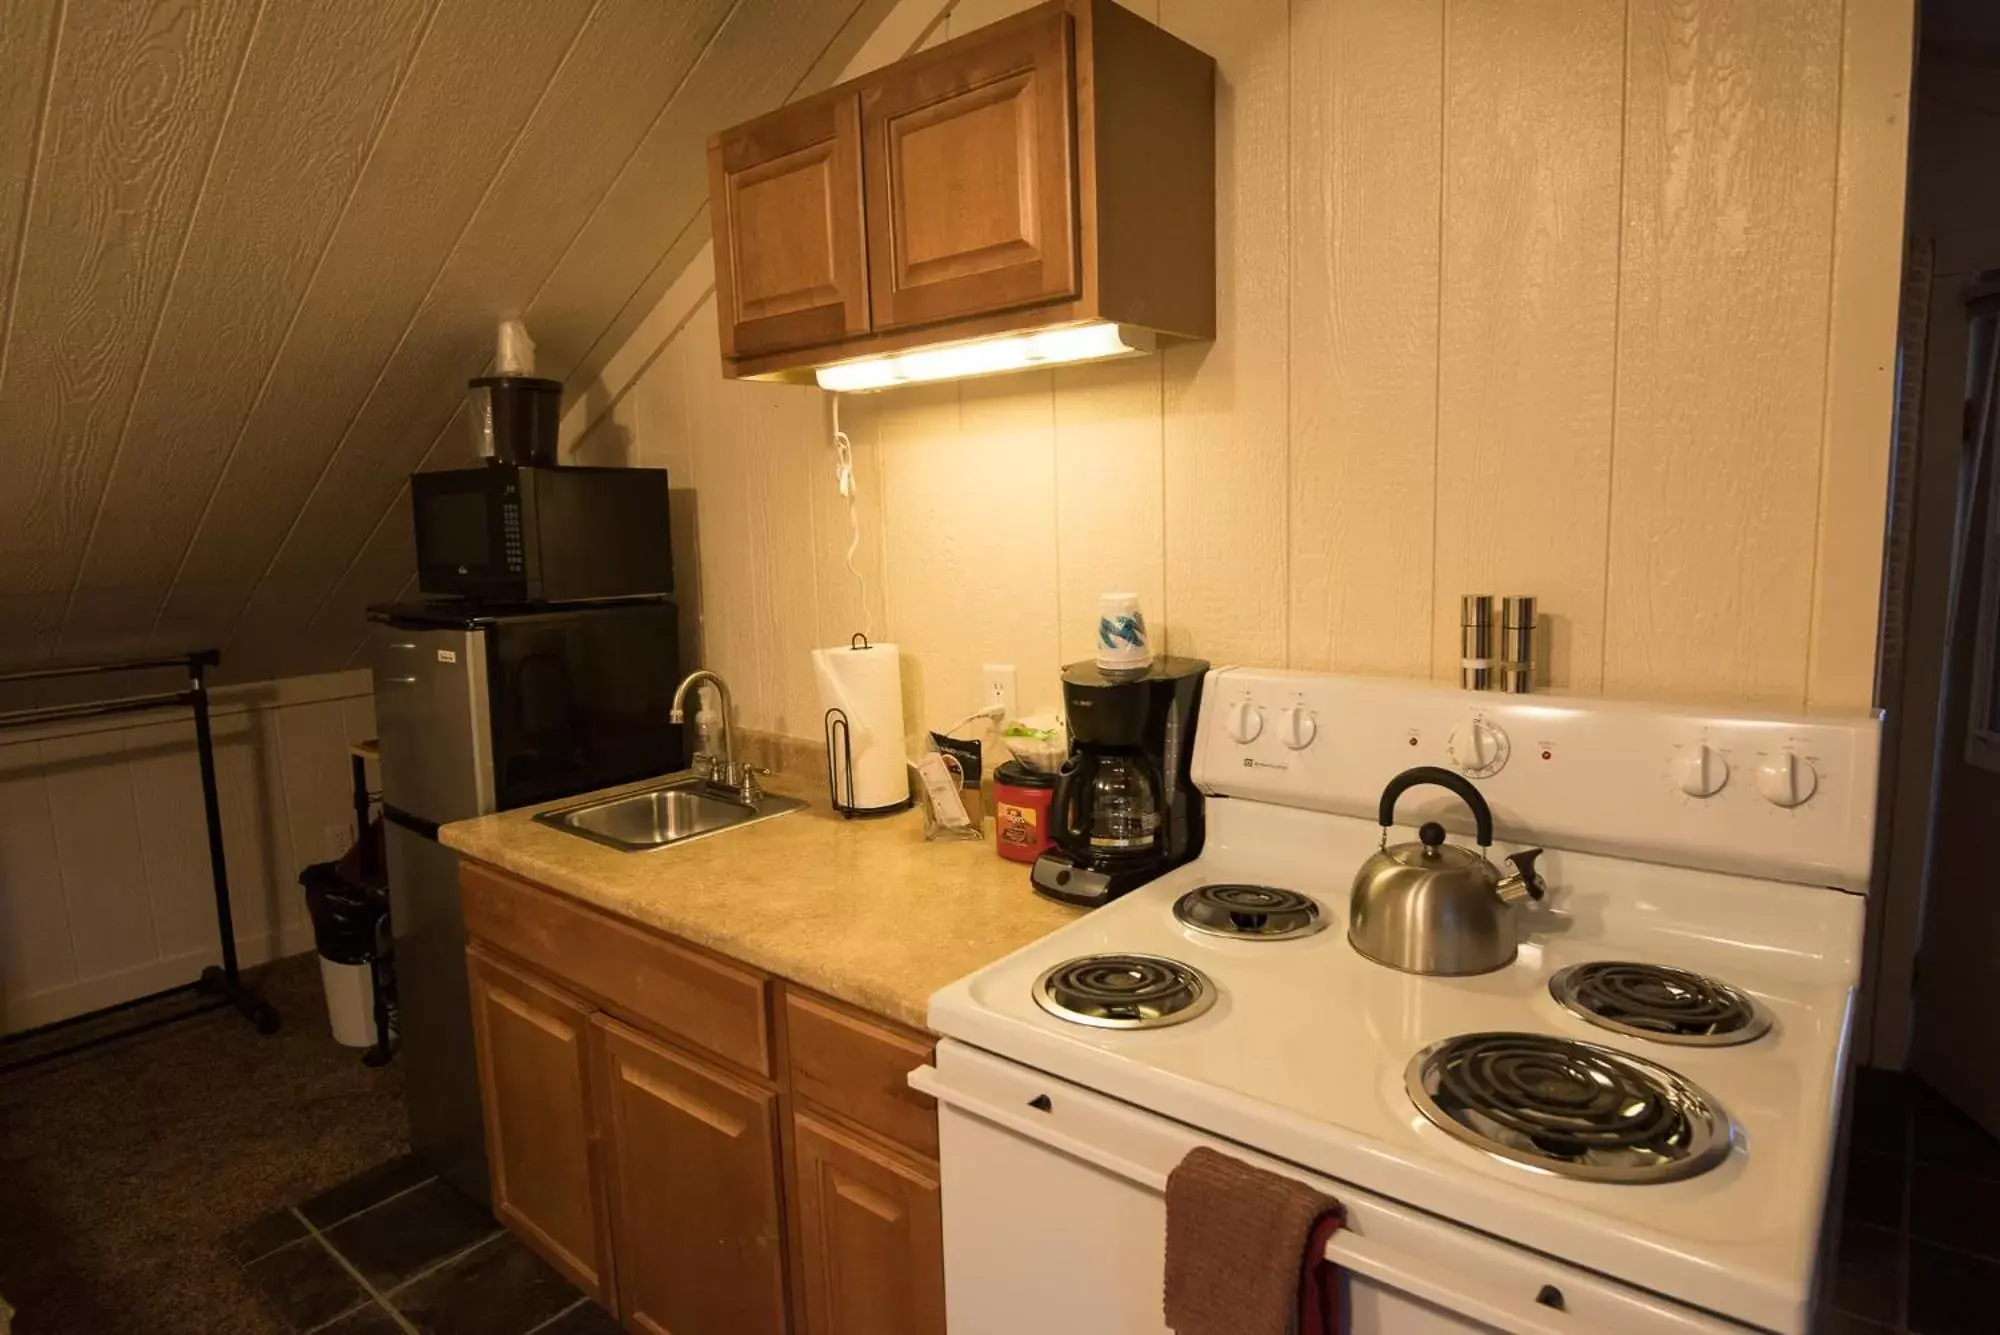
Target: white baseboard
(89,994)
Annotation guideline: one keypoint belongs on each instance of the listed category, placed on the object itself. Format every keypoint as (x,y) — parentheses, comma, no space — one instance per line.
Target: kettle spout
(1526,882)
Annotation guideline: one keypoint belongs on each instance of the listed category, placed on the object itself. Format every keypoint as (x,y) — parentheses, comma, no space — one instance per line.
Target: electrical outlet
(339,838)
(1000,685)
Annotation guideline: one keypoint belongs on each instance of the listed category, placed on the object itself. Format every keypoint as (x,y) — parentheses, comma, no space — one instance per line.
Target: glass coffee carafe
(1108,809)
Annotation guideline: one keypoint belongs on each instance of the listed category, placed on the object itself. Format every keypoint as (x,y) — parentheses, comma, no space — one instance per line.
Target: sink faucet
(728,776)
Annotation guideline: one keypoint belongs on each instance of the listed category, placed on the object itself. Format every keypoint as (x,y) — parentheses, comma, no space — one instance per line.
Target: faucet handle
(702,763)
(747,789)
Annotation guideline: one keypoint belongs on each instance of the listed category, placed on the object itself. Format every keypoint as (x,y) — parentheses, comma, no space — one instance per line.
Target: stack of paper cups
(1122,642)
(867,766)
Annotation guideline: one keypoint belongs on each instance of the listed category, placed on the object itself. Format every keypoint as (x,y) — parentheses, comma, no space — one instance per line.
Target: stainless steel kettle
(1433,907)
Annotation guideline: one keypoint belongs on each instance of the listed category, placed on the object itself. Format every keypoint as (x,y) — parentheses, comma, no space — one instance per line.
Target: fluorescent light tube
(986,356)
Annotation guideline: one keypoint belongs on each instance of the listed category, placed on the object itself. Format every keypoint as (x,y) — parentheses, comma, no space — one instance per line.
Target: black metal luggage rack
(381,975)
(224,984)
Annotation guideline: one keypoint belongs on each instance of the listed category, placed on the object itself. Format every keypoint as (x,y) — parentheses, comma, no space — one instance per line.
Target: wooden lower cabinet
(692,1167)
(535,1091)
(701,1148)
(871,1236)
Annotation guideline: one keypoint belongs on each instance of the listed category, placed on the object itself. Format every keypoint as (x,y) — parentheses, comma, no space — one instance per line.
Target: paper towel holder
(840,734)
(840,741)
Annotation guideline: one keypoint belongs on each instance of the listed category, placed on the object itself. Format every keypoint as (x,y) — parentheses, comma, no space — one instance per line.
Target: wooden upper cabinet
(785,200)
(535,1092)
(1054,168)
(871,1234)
(971,169)
(692,1165)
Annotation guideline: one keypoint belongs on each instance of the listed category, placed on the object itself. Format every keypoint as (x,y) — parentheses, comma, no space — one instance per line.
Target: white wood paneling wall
(1592,300)
(105,891)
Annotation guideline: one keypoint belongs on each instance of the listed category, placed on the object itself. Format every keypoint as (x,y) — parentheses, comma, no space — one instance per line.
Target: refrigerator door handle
(416,825)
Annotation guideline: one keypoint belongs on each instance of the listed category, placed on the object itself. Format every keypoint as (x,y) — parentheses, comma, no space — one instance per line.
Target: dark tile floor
(395,1250)
(122,1167)
(1920,1240)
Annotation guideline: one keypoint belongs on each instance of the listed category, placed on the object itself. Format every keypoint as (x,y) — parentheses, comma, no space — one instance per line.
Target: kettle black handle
(1482,815)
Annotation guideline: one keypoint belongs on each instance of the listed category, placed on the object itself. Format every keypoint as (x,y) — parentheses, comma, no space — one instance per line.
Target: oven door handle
(925,1079)
(1347,1250)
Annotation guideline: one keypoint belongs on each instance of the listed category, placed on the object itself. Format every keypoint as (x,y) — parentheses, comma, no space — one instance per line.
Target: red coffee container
(1021,811)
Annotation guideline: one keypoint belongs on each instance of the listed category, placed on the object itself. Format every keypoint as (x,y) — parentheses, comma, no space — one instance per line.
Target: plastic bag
(1039,741)
(939,779)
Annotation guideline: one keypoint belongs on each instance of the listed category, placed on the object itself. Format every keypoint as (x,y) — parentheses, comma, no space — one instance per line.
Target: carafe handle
(1066,829)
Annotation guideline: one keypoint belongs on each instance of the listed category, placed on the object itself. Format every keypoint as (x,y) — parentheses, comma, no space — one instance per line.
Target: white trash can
(350,1002)
(349,924)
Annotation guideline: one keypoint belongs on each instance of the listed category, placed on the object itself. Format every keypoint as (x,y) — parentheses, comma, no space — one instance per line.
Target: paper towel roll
(865,682)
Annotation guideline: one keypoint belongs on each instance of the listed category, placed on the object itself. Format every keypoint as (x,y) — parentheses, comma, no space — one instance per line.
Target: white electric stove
(1662,1167)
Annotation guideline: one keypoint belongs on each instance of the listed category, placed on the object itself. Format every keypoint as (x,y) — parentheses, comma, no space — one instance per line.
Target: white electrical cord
(994,712)
(843,465)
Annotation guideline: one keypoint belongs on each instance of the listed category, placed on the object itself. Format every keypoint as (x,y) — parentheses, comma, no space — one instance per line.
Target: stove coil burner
(1656,1002)
(1249,912)
(1575,1109)
(1124,992)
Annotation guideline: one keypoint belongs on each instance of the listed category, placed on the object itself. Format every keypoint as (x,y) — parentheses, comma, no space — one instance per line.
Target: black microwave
(516,533)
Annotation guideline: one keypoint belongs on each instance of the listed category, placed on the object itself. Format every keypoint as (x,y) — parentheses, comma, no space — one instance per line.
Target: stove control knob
(1478,747)
(1245,721)
(1297,727)
(1787,779)
(1702,771)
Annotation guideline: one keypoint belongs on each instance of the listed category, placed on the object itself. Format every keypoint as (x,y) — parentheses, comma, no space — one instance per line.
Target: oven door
(1055,1222)
(470,539)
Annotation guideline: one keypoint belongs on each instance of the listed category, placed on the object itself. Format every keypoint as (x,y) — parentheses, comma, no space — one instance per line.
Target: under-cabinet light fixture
(987,356)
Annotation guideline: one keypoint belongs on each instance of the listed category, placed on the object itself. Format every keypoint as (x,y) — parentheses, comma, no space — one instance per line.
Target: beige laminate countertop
(863,910)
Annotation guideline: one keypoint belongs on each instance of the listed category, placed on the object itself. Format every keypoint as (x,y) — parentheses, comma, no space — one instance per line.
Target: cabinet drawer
(859,1069)
(714,1006)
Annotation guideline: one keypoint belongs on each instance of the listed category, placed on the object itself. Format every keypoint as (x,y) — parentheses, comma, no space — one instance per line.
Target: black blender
(1125,807)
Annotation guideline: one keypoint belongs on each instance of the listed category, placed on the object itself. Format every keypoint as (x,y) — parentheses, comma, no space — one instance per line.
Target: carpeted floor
(123,1168)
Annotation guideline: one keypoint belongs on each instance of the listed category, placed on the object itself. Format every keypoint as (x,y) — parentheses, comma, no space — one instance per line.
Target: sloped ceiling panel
(250,252)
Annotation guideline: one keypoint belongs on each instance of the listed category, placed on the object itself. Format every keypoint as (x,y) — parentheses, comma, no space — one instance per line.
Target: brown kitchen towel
(1237,1249)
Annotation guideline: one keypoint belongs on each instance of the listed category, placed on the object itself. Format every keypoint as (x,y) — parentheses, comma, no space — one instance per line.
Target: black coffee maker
(1125,808)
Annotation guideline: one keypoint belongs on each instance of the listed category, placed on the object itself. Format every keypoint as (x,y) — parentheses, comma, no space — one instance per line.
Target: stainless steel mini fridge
(483,710)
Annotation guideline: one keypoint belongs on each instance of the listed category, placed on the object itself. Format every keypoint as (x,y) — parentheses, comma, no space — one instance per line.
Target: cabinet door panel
(693,1175)
(534,1089)
(872,1237)
(970,164)
(790,269)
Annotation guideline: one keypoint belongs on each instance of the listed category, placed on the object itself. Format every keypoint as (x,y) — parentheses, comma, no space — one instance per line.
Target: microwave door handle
(1347,1250)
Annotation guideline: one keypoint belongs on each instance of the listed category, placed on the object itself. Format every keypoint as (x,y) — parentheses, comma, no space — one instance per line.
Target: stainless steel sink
(669,813)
